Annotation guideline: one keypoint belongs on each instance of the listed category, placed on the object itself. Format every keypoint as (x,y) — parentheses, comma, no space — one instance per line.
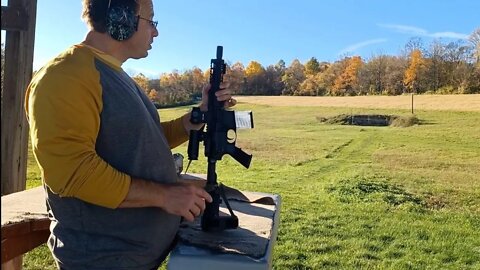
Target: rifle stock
(241,157)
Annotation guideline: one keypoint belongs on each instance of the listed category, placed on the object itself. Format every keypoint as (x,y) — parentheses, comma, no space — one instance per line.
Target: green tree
(292,78)
(312,66)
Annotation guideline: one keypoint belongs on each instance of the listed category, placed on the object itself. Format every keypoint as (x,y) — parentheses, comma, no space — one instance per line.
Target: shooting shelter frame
(18,20)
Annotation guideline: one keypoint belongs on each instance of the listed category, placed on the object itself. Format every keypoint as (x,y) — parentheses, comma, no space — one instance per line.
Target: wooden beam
(23,237)
(25,225)
(14,19)
(15,264)
(19,47)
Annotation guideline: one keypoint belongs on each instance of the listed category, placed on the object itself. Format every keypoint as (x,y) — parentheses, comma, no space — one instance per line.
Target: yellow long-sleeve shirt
(65,105)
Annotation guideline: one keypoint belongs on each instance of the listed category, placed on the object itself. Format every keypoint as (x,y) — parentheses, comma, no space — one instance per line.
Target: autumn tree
(142,81)
(347,82)
(313,85)
(273,84)
(416,63)
(435,66)
(371,78)
(255,73)
(153,95)
(278,70)
(235,76)
(394,72)
(293,77)
(442,68)
(413,44)
(174,86)
(457,67)
(192,82)
(382,75)
(474,76)
(475,41)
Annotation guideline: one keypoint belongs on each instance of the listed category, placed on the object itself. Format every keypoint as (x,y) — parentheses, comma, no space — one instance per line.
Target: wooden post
(412,103)
(19,44)
(18,19)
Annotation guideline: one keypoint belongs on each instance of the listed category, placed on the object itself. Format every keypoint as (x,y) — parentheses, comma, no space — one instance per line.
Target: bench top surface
(29,205)
(22,206)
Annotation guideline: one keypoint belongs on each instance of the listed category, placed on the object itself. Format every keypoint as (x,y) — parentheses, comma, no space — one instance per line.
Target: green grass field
(357,197)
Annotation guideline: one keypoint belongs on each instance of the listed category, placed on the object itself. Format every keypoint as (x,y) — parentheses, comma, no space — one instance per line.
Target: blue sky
(268,30)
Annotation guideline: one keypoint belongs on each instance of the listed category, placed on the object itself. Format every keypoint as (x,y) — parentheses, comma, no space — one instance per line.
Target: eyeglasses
(152,23)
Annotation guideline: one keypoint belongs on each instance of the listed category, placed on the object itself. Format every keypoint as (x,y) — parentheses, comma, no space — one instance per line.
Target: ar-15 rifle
(220,124)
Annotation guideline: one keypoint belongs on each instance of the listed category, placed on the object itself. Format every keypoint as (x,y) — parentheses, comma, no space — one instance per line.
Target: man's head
(127,21)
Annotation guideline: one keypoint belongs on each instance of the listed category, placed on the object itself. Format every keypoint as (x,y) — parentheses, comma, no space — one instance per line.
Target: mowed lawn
(358,197)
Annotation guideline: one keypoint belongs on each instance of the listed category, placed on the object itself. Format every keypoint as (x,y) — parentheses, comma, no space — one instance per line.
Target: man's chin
(140,57)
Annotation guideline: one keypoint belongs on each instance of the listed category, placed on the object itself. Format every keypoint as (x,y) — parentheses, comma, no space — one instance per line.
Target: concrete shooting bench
(25,225)
(250,246)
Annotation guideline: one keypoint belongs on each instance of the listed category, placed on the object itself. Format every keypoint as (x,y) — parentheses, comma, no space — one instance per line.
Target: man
(110,179)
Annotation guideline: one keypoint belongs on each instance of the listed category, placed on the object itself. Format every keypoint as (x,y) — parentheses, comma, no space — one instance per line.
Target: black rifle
(219,122)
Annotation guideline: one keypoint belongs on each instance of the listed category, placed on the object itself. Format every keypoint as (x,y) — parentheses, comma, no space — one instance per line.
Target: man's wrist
(203,107)
(188,125)
(144,193)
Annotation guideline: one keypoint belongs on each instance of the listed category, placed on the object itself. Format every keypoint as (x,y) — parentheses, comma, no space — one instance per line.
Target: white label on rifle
(243,119)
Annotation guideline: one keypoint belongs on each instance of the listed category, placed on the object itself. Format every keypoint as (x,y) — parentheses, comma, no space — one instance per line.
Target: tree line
(436,68)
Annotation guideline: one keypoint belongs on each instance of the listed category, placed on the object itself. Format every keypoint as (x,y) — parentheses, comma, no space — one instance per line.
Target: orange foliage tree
(142,81)
(348,80)
(411,73)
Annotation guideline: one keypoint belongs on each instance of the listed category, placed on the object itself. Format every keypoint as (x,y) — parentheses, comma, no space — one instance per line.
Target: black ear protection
(121,21)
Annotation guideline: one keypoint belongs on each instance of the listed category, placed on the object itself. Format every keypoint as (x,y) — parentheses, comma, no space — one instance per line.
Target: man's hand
(224,94)
(183,200)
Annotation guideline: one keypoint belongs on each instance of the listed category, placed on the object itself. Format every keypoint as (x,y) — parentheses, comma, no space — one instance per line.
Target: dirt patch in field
(421,102)
(370,120)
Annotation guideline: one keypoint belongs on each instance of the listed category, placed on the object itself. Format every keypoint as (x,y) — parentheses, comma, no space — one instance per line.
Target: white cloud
(416,31)
(406,29)
(359,45)
(449,35)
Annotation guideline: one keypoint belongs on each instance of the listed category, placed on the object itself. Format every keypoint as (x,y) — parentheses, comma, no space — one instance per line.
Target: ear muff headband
(121,21)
